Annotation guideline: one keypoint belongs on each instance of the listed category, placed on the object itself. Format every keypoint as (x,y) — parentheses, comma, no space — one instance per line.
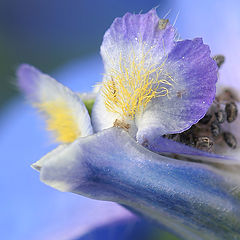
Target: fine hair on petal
(136,81)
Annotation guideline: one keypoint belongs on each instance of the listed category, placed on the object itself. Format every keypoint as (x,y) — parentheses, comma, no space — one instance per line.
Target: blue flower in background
(194,200)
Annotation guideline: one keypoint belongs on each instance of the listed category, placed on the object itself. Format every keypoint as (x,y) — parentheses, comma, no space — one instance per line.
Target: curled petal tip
(36,166)
(27,76)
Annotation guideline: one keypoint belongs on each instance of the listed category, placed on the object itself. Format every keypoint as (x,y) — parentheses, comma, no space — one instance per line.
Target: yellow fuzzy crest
(134,84)
(60,120)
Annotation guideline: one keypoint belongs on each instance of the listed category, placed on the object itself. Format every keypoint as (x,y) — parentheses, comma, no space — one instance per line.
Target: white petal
(101,117)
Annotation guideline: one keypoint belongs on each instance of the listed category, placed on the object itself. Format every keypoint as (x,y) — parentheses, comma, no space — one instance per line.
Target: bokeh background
(63,38)
(48,34)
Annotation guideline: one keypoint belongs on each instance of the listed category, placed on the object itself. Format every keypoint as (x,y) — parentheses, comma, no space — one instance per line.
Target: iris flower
(154,84)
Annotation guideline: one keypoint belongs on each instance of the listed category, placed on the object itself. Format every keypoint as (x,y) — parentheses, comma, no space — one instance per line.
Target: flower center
(134,83)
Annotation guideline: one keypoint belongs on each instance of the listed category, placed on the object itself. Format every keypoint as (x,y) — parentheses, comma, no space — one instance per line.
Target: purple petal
(195,74)
(134,29)
(161,145)
(28,77)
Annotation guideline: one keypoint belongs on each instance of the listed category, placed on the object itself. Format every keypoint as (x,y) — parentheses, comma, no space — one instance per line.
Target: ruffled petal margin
(195,75)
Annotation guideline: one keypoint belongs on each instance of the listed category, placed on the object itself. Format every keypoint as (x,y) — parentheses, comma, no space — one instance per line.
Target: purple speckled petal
(195,75)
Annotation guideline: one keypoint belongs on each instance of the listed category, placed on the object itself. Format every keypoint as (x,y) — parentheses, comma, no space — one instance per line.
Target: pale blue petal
(192,199)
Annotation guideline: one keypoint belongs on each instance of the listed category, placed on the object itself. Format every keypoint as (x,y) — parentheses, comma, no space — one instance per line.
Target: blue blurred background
(48,34)
(63,39)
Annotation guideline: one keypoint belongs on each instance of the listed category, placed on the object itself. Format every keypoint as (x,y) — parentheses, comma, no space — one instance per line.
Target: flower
(34,210)
(149,76)
(153,85)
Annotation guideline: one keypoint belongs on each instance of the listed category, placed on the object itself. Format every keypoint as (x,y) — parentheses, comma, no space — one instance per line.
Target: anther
(204,143)
(145,143)
(206,119)
(220,116)
(215,128)
(162,23)
(174,137)
(227,95)
(230,140)
(219,59)
(187,137)
(123,125)
(231,111)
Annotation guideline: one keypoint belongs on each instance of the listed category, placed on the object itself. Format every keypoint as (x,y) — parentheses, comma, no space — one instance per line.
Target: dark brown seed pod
(220,59)
(231,111)
(206,119)
(230,140)
(204,143)
(215,129)
(220,116)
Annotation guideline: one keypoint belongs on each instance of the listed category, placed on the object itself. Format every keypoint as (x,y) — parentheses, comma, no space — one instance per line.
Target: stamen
(135,83)
(204,143)
(227,95)
(220,116)
(121,124)
(220,59)
(206,119)
(215,129)
(162,23)
(230,140)
(232,111)
(208,131)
